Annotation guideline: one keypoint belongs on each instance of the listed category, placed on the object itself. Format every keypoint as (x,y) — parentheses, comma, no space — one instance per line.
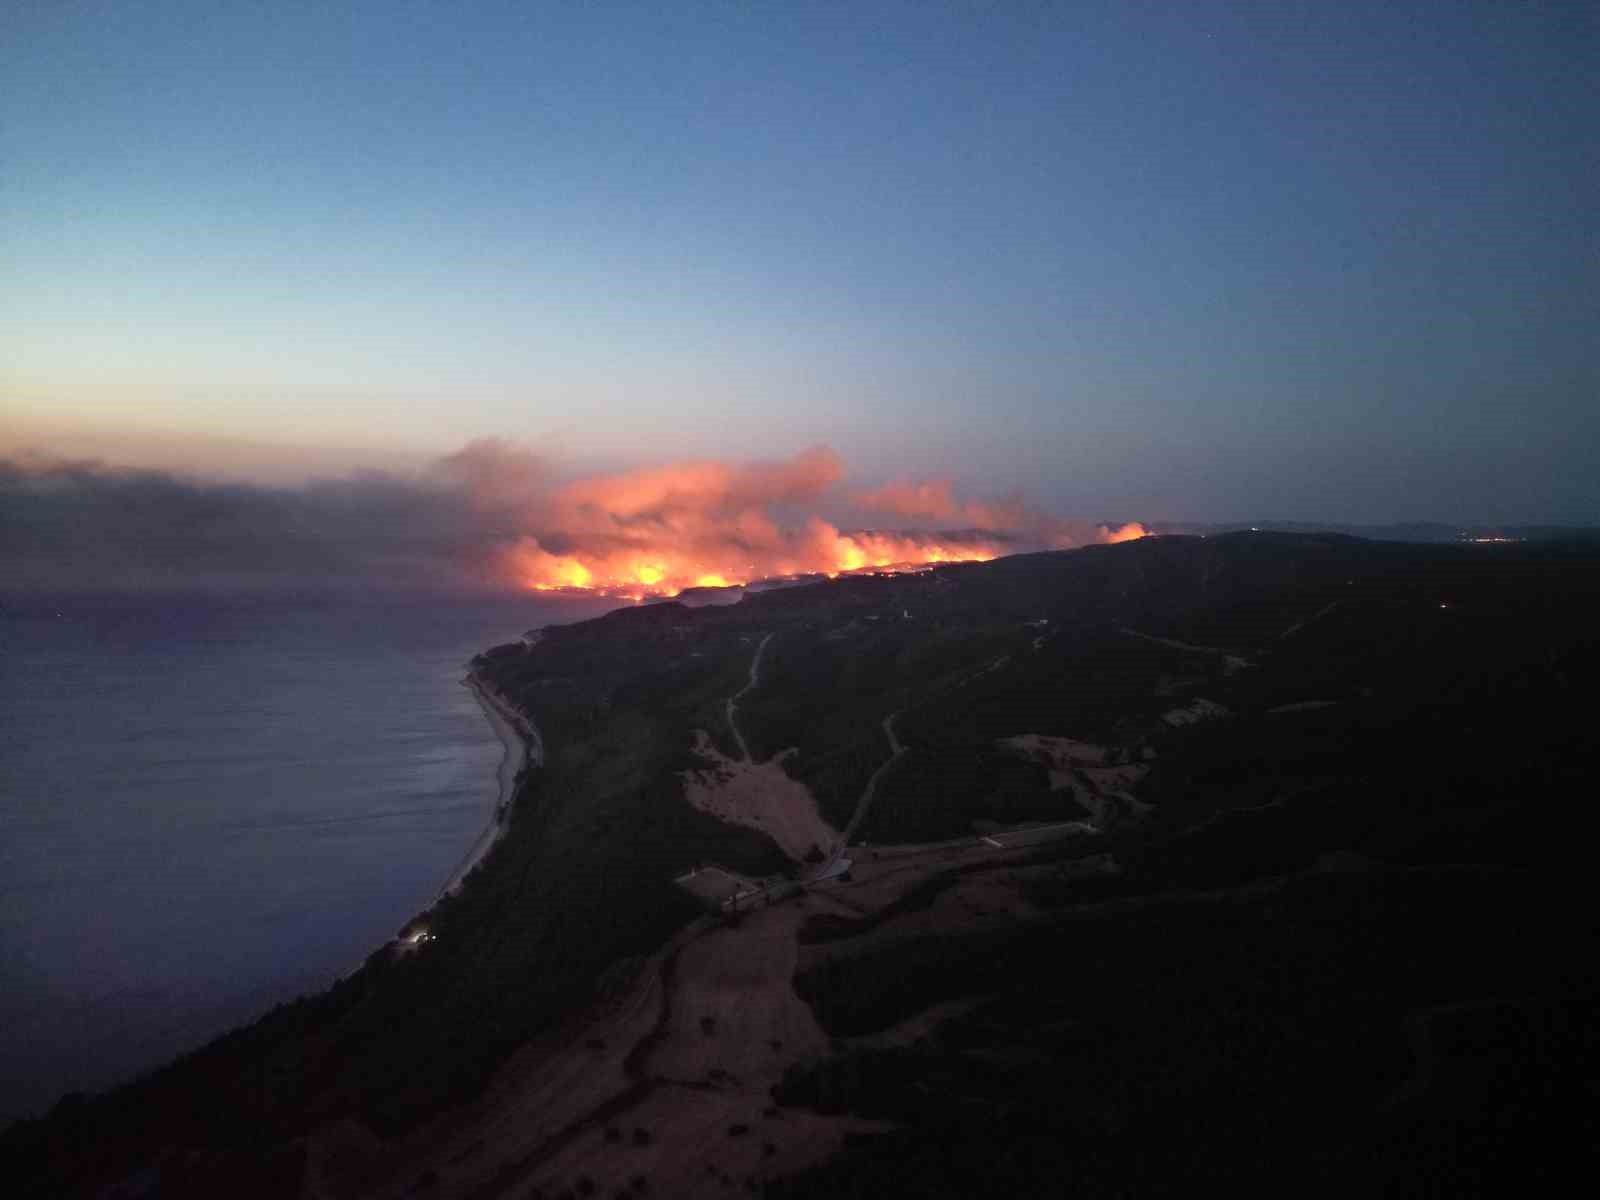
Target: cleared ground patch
(1105,792)
(1195,712)
(759,796)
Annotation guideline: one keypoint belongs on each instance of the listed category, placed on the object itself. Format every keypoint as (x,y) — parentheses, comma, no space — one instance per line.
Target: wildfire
(656,531)
(1131,532)
(819,548)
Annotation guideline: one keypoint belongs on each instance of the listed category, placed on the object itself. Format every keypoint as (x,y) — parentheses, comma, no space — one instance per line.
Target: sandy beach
(522,746)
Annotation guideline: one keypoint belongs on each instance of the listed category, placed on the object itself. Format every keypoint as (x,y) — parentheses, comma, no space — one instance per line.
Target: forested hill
(1255,858)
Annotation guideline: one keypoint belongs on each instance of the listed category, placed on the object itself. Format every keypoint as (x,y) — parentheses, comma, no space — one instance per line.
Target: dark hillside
(1361,774)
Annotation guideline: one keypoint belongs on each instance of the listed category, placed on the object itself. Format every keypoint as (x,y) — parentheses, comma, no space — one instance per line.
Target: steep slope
(1176,849)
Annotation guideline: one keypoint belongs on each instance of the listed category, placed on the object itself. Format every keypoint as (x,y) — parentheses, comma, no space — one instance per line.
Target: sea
(212,803)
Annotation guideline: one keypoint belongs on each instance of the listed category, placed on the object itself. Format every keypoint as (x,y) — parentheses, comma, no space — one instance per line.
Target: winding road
(733,700)
(863,805)
(867,793)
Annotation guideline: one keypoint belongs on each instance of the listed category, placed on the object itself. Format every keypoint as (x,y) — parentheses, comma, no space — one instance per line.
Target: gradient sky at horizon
(1330,261)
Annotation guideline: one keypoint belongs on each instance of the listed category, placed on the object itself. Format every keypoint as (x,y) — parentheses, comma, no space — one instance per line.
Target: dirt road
(733,700)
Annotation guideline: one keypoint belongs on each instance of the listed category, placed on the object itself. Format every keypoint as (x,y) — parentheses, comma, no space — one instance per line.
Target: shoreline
(523,747)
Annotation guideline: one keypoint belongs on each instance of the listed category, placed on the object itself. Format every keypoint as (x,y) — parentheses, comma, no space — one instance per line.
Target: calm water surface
(210,805)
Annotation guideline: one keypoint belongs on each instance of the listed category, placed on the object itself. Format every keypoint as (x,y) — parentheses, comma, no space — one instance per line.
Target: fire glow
(663,570)
(658,531)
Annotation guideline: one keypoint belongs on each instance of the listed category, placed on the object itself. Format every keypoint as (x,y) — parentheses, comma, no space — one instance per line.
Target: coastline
(522,748)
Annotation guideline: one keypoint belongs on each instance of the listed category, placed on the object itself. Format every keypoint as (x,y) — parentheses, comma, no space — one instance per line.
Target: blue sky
(1303,261)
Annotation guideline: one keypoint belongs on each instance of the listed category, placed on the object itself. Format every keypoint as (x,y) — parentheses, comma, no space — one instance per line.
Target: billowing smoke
(661,529)
(494,514)
(934,500)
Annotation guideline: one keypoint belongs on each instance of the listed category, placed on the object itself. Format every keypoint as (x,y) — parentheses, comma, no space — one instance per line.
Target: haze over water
(211,804)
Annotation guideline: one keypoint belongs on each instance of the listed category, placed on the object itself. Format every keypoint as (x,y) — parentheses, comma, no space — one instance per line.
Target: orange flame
(819,548)
(1131,532)
(659,530)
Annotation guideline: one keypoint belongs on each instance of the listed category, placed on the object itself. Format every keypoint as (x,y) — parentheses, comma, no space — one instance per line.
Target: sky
(1189,261)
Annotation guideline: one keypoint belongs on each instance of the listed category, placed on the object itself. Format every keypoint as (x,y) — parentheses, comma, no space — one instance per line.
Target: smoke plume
(495,515)
(934,500)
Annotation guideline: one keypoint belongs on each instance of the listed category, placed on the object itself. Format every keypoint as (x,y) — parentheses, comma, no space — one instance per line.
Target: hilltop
(1250,858)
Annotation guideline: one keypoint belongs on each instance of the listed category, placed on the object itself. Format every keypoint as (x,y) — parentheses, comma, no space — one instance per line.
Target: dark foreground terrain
(1288,888)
